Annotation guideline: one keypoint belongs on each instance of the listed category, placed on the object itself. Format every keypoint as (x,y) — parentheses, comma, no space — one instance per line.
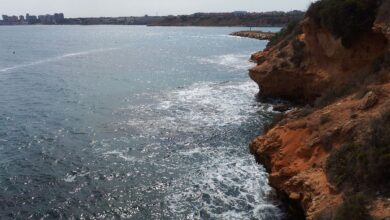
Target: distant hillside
(198,19)
(232,19)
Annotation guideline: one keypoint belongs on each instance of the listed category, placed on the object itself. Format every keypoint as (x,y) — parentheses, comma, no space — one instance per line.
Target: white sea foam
(221,182)
(196,107)
(120,154)
(214,104)
(57,58)
(69,178)
(226,188)
(233,61)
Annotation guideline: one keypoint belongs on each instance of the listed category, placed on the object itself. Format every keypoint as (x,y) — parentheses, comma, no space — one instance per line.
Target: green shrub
(382,62)
(292,29)
(298,48)
(346,19)
(363,167)
(284,64)
(331,94)
(325,118)
(341,164)
(326,214)
(354,208)
(384,12)
(303,112)
(358,167)
(275,119)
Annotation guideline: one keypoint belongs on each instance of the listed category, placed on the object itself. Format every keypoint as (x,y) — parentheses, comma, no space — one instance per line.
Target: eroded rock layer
(347,95)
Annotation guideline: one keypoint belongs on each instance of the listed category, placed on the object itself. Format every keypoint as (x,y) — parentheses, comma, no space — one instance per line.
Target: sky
(113,8)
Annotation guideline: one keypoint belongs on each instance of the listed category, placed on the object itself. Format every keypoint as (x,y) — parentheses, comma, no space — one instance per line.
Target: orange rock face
(295,150)
(304,68)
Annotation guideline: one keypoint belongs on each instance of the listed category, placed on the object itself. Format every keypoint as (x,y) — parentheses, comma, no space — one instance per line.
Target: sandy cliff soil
(303,68)
(296,149)
(344,90)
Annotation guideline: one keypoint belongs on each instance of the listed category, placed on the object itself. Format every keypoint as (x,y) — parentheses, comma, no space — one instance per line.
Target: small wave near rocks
(233,61)
(201,133)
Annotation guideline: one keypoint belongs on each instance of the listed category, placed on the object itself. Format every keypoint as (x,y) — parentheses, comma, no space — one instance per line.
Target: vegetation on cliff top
(361,171)
(353,208)
(364,166)
(291,30)
(231,19)
(359,168)
(346,19)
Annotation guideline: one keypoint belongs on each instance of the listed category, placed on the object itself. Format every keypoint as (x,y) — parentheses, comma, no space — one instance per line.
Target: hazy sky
(95,8)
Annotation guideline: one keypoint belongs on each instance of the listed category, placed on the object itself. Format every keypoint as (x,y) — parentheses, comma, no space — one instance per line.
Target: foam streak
(58,58)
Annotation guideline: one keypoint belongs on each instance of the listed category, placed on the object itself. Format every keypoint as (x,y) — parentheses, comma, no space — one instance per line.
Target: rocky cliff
(332,156)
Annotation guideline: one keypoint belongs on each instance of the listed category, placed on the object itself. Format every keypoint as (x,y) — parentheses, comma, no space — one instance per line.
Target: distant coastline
(238,18)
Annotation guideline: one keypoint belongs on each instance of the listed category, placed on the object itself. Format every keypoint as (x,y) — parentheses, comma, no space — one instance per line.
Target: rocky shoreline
(254,34)
(326,156)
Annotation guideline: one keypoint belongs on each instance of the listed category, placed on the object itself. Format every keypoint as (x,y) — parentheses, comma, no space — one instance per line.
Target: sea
(130,122)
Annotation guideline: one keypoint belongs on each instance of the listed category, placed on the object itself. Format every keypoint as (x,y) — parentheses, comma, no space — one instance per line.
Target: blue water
(131,122)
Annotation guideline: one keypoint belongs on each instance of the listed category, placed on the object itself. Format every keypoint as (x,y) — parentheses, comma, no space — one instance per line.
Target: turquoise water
(131,122)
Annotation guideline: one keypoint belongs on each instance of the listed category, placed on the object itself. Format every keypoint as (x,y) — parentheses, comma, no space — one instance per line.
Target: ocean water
(130,122)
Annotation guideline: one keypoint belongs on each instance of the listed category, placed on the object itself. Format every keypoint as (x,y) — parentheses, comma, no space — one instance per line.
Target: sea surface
(130,122)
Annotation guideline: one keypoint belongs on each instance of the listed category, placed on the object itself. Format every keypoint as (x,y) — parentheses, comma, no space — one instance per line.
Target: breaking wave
(233,61)
(205,130)
(105,145)
(229,188)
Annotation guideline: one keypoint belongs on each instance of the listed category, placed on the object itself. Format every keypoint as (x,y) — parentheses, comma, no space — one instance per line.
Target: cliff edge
(332,156)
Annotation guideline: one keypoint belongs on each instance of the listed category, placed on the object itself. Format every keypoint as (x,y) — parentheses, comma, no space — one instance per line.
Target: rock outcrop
(254,34)
(344,89)
(296,149)
(303,69)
